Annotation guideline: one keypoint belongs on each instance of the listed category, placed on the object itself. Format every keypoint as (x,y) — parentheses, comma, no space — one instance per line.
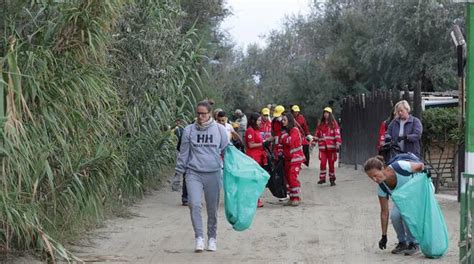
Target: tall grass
(91,91)
(156,69)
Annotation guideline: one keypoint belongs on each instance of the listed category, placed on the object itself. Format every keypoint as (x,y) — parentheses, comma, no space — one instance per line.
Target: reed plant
(91,91)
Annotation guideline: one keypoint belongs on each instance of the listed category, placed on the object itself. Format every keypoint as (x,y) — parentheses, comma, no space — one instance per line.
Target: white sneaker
(199,244)
(212,244)
(284,199)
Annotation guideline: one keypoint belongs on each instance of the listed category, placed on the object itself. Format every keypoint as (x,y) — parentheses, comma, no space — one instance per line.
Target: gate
(361,117)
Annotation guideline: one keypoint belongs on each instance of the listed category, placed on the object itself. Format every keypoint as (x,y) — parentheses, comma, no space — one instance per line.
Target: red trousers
(327,156)
(291,175)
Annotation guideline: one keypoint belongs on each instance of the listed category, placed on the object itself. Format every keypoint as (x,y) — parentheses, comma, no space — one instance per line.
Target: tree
(346,47)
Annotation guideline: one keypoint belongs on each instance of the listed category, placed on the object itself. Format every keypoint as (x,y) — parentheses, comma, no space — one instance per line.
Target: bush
(440,126)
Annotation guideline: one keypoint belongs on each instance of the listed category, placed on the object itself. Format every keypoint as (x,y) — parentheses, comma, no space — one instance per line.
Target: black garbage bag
(276,184)
(389,150)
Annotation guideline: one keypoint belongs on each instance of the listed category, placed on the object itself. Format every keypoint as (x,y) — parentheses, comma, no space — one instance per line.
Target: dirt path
(332,225)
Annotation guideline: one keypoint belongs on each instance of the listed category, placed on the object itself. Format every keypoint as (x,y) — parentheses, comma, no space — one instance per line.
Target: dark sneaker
(321,181)
(284,199)
(184,203)
(401,247)
(333,183)
(411,249)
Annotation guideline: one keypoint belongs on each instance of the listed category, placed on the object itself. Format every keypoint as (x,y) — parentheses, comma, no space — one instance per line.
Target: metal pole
(463,242)
(465,247)
(460,56)
(470,92)
(466,254)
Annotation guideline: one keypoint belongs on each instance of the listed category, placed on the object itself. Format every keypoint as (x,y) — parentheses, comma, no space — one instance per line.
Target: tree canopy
(345,47)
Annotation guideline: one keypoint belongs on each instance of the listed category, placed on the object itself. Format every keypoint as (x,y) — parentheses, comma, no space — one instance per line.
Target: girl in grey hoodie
(200,157)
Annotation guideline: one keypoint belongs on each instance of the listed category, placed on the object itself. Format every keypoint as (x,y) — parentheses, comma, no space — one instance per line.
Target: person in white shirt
(242,120)
(221,118)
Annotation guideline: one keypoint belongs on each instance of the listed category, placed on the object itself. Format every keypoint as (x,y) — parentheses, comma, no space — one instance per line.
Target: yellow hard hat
(279,109)
(265,111)
(328,109)
(235,125)
(295,108)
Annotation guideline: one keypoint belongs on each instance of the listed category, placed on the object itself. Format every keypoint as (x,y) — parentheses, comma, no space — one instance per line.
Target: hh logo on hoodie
(205,140)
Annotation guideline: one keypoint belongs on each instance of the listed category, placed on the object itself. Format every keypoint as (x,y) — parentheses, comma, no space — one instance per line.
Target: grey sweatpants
(209,183)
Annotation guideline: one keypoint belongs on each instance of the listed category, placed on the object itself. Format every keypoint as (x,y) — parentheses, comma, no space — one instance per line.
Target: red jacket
(266,129)
(382,130)
(276,132)
(258,153)
(327,137)
(292,146)
(303,127)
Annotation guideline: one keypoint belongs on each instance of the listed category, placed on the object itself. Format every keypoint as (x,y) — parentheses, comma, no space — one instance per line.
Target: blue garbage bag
(244,182)
(421,212)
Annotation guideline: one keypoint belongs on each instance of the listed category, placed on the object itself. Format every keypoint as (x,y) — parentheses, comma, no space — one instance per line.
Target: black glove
(383,242)
(401,138)
(387,139)
(280,156)
(266,144)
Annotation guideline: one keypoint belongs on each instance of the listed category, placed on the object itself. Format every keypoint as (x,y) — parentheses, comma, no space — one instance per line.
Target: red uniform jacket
(303,127)
(258,153)
(292,146)
(276,132)
(382,130)
(266,129)
(328,138)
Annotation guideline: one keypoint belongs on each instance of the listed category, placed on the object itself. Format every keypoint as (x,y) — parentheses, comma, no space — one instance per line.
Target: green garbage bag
(244,182)
(421,212)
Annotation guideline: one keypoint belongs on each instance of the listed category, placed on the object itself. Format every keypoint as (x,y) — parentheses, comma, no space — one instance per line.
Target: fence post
(356,132)
(465,252)
(417,101)
(406,95)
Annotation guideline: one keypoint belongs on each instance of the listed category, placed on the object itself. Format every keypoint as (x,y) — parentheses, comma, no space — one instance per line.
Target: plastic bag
(244,182)
(421,212)
(276,183)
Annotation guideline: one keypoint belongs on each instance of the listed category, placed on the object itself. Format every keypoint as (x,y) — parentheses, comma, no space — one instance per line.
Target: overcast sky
(253,18)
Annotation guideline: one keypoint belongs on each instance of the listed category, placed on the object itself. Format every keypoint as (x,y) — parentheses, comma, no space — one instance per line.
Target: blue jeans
(403,233)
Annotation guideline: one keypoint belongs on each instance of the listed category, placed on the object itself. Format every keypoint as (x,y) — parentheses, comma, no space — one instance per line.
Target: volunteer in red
(329,140)
(276,131)
(304,130)
(294,157)
(266,124)
(383,130)
(254,144)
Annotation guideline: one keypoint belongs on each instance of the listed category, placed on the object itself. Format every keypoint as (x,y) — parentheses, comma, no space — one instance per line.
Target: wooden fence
(361,117)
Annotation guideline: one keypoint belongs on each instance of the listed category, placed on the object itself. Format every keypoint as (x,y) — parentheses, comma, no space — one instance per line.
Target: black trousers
(306,154)
(184,194)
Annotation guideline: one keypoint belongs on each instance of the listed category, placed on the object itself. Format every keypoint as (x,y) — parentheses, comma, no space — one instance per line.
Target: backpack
(394,163)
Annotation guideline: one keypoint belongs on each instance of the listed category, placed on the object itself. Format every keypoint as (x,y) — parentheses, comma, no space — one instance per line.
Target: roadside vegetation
(92,89)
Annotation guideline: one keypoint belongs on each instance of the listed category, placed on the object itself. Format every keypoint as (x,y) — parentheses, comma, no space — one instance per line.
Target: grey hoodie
(201,148)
